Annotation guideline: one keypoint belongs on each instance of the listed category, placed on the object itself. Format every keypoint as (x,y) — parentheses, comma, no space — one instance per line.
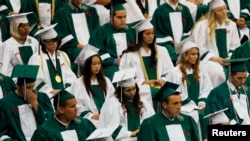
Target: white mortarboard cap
(125,77)
(101,133)
(143,25)
(47,32)
(185,45)
(86,52)
(216,3)
(19,18)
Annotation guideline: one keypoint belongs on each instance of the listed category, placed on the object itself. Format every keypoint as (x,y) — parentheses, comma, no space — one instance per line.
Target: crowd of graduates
(123,70)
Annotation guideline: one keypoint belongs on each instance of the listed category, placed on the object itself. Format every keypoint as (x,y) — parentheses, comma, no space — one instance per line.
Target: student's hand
(81,46)
(55,91)
(95,117)
(241,23)
(31,97)
(135,132)
(103,2)
(219,60)
(159,82)
(201,107)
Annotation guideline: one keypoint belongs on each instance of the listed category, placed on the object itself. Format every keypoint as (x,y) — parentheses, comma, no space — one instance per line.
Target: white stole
(45,14)
(176,25)
(16,5)
(121,42)
(81,28)
(241,107)
(69,135)
(175,132)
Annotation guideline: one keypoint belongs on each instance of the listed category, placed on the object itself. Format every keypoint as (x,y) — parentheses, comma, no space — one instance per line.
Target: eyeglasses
(51,42)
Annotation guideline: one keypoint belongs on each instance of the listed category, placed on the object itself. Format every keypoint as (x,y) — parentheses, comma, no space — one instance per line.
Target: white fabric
(192,8)
(68,75)
(81,27)
(16,5)
(234,7)
(175,132)
(103,13)
(219,118)
(11,55)
(45,14)
(113,115)
(241,107)
(133,11)
(1,92)
(27,120)
(176,25)
(86,102)
(3,7)
(69,135)
(132,59)
(121,42)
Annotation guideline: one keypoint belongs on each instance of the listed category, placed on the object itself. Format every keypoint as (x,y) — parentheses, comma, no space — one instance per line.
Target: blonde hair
(14,30)
(183,62)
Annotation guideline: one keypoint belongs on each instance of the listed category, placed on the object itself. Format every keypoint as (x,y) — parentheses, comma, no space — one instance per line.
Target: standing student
(20,46)
(126,110)
(169,124)
(24,109)
(55,67)
(113,38)
(228,103)
(151,61)
(92,88)
(65,125)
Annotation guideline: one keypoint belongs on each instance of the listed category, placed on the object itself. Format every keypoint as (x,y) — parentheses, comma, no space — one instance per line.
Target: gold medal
(58,79)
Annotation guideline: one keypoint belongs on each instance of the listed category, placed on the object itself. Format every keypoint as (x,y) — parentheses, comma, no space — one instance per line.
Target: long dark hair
(124,100)
(86,73)
(136,47)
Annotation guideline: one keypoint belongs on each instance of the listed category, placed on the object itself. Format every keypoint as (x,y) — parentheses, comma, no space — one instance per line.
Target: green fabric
(52,73)
(221,42)
(64,96)
(98,97)
(103,39)
(133,118)
(151,71)
(202,10)
(162,24)
(154,128)
(6,84)
(51,129)
(219,99)
(9,114)
(28,72)
(193,88)
(25,53)
(154,92)
(116,132)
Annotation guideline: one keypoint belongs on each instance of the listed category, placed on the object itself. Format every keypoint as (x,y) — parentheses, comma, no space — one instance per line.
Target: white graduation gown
(11,55)
(86,102)
(68,75)
(132,59)
(112,115)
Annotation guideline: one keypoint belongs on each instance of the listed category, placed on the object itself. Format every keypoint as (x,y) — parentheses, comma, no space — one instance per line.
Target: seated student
(65,125)
(92,88)
(126,110)
(23,110)
(169,124)
(55,67)
(6,85)
(228,103)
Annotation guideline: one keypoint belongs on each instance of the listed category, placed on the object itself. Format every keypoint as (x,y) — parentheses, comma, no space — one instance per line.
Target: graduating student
(20,47)
(238,11)
(126,110)
(228,103)
(78,20)
(151,61)
(113,38)
(65,125)
(55,67)
(92,87)
(194,83)
(169,124)
(172,21)
(23,110)
(217,37)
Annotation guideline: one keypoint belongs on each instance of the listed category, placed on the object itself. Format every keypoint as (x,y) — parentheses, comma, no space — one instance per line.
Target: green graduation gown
(154,128)
(52,129)
(6,84)
(103,39)
(9,114)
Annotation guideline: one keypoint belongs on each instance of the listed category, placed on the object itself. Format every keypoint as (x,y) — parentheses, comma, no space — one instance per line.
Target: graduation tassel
(24,82)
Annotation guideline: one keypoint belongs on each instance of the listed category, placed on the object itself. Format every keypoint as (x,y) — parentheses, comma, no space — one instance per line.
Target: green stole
(25,53)
(221,42)
(152,74)
(53,73)
(133,118)
(193,88)
(98,97)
